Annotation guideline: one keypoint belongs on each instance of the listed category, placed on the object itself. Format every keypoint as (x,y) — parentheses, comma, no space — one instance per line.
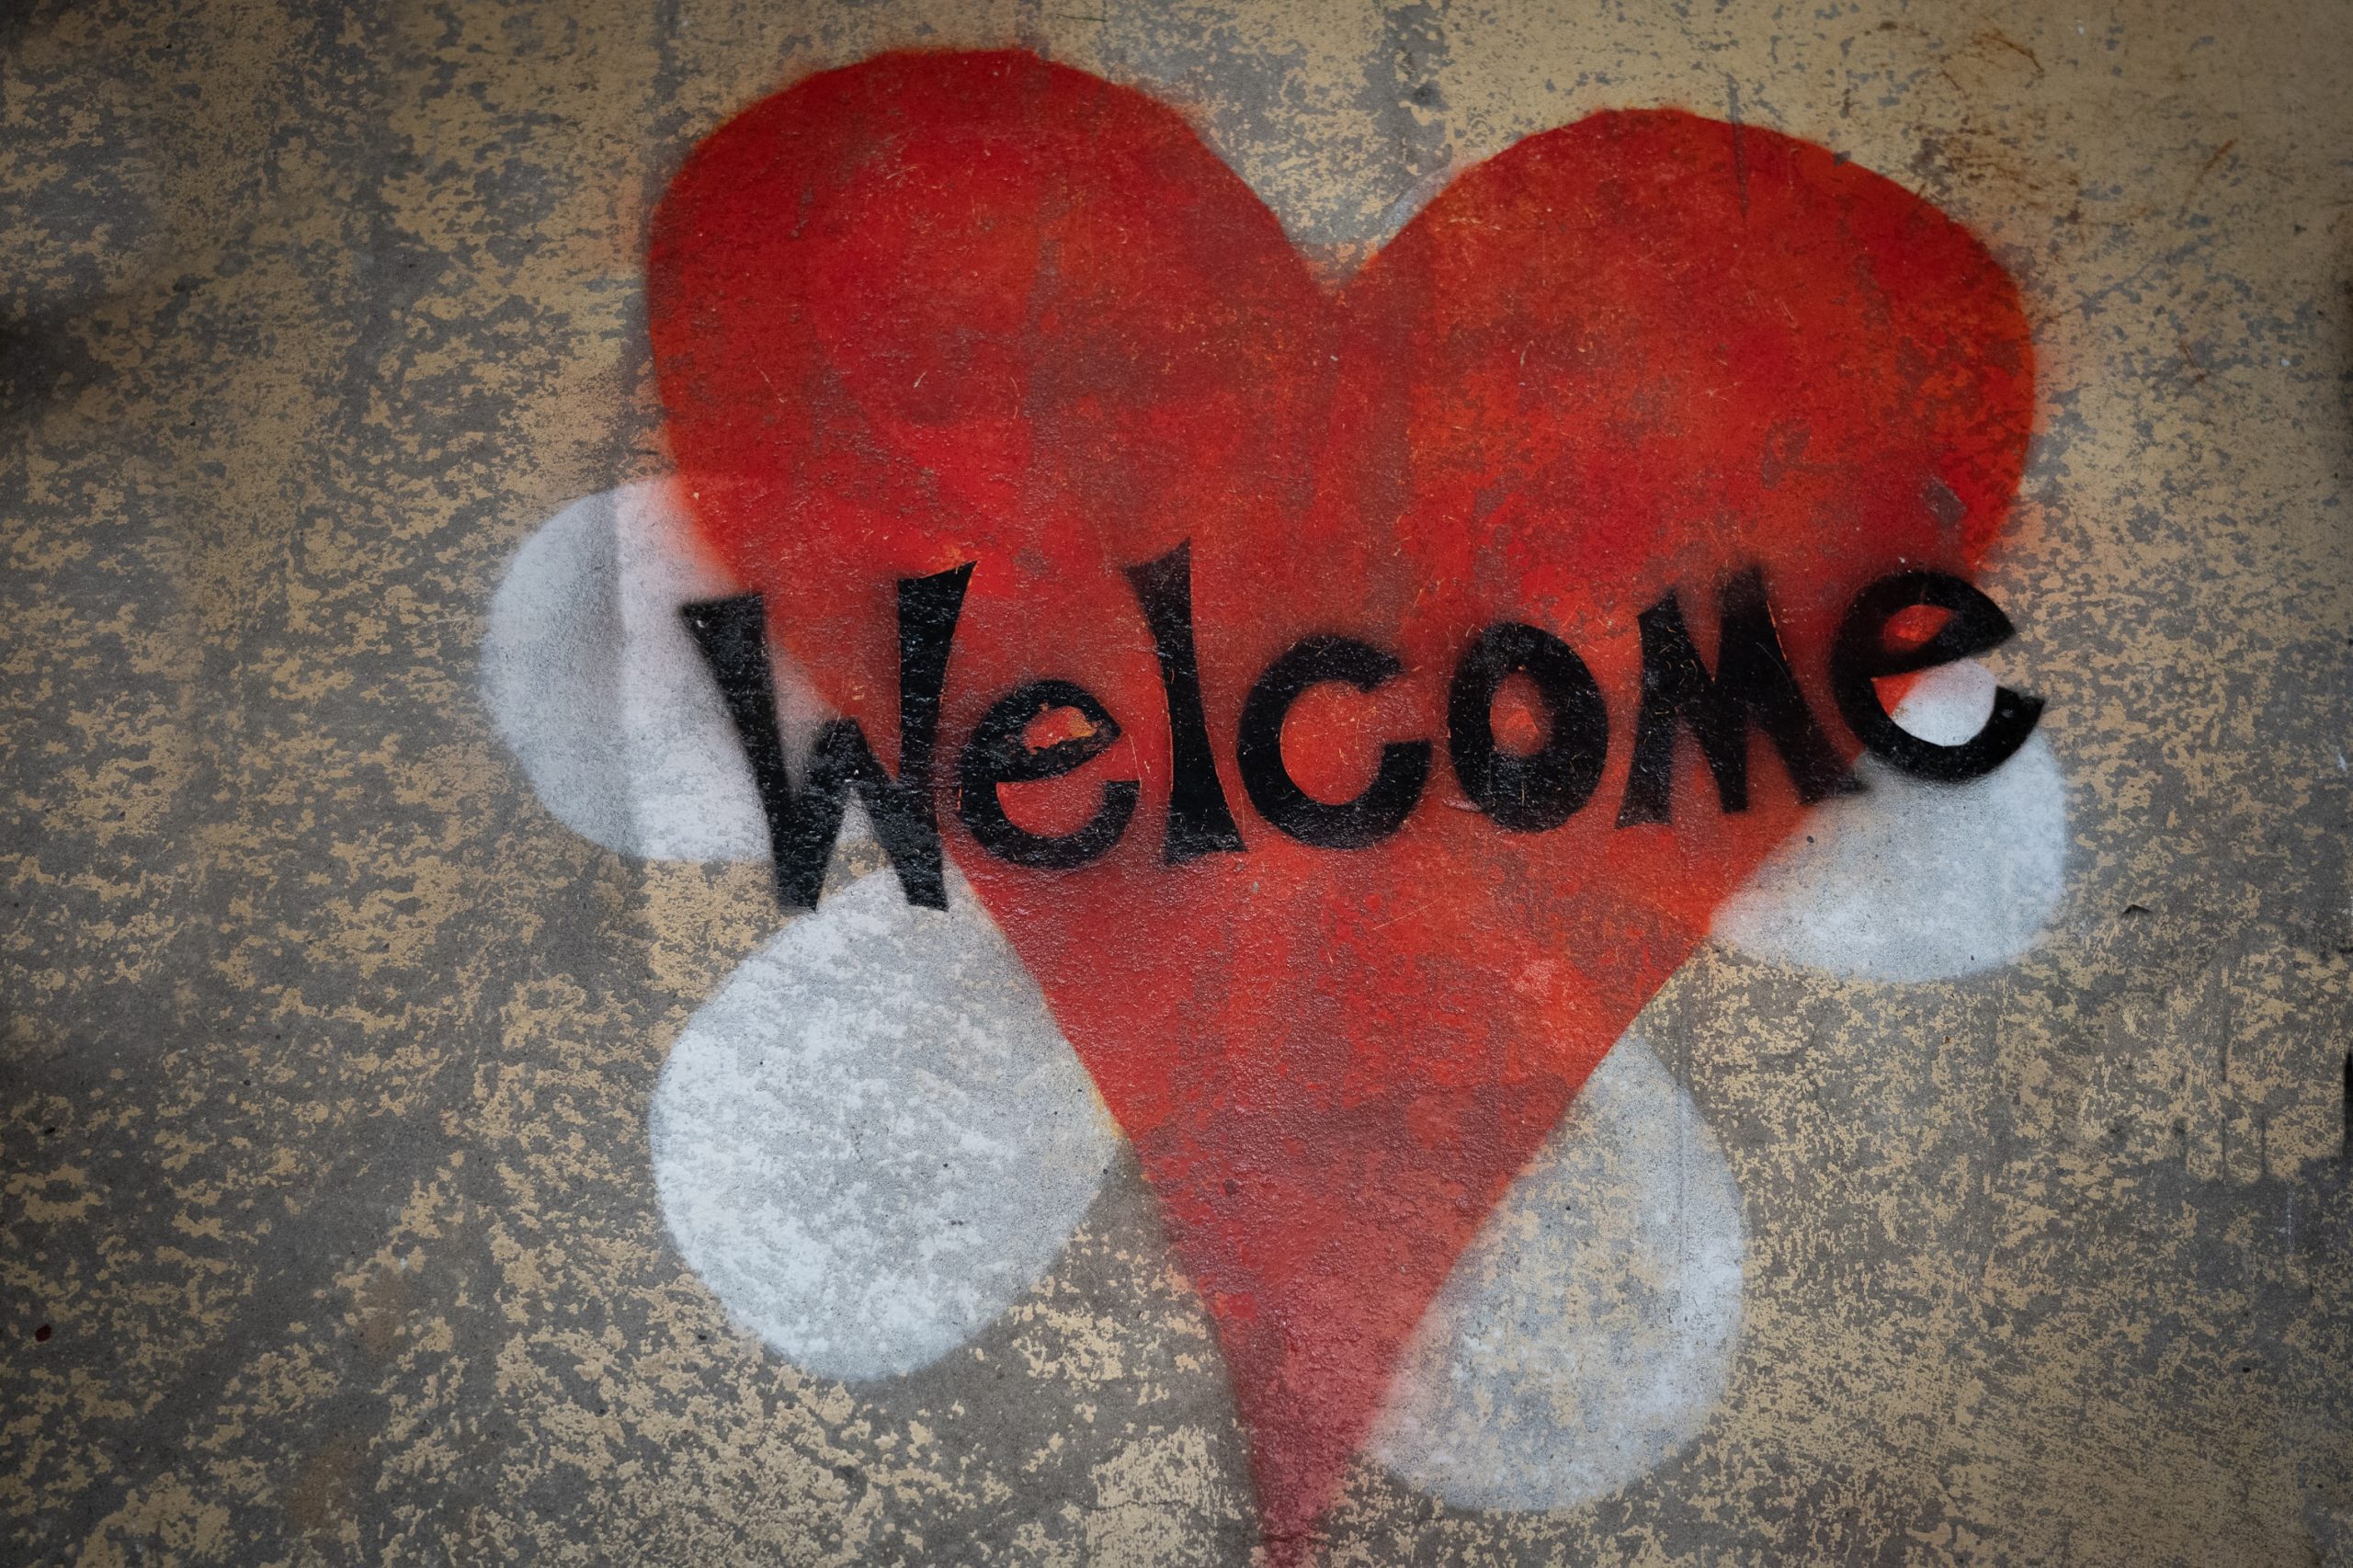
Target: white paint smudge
(873,1139)
(1586,1333)
(594,683)
(1914,881)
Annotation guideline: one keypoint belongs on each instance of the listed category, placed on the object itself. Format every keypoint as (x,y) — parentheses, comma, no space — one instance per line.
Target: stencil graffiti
(1423,618)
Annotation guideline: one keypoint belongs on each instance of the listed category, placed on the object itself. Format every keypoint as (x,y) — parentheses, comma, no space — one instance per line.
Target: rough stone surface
(328,1223)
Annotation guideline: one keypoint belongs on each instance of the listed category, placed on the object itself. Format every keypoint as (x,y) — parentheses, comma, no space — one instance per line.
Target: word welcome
(1751,682)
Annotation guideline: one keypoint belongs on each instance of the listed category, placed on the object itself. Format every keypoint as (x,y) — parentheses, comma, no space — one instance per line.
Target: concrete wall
(1978,1191)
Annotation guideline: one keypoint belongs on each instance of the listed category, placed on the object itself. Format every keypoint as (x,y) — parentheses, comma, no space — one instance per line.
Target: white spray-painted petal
(592,679)
(873,1139)
(1587,1332)
(1915,881)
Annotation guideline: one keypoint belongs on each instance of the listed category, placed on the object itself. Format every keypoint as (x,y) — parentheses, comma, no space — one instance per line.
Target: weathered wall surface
(329,1220)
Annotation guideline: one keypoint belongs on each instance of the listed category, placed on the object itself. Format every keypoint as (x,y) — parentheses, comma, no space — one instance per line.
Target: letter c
(1395,789)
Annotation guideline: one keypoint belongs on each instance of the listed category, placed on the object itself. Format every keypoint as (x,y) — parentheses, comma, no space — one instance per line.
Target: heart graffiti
(1315,658)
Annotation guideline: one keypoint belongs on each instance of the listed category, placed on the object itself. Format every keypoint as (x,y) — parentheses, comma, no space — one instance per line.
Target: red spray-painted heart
(940,309)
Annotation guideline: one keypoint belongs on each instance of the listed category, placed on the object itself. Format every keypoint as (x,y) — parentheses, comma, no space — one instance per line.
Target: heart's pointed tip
(1317,1276)
(1290,1546)
(1300,1479)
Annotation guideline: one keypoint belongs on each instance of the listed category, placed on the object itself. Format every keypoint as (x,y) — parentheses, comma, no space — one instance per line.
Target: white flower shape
(874,1138)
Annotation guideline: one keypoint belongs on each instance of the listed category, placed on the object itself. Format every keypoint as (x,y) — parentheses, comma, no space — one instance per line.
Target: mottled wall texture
(424,1138)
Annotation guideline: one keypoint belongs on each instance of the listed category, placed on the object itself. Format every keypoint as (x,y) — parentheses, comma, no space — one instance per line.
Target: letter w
(804,824)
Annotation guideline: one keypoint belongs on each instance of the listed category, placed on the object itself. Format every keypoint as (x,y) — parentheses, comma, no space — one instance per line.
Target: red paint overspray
(946,307)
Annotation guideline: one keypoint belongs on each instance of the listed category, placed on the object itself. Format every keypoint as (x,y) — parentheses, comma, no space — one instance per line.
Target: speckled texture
(328,1050)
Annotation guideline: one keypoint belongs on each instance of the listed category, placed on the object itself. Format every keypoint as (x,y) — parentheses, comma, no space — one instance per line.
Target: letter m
(1752,679)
